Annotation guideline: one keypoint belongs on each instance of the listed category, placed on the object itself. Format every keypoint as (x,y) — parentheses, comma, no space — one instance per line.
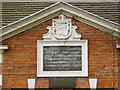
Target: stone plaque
(62,82)
(62,58)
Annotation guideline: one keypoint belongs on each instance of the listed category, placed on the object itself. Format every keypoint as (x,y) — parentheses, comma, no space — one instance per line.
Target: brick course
(20,60)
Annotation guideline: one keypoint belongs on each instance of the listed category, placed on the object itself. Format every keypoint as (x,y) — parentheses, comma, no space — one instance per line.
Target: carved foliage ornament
(61,29)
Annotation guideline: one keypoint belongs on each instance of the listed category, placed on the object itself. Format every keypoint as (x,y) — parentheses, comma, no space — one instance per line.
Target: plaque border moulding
(62,33)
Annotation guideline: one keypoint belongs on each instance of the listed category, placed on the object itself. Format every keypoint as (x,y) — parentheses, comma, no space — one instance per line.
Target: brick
(20,61)
(82,83)
(105,84)
(42,83)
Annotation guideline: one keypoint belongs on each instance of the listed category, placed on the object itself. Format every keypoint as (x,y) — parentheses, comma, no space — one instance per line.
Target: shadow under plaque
(62,82)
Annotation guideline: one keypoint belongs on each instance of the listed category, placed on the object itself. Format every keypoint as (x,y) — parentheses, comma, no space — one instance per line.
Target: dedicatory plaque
(62,58)
(62,53)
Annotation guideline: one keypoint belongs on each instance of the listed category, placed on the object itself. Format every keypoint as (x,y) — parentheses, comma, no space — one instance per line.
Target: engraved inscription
(62,58)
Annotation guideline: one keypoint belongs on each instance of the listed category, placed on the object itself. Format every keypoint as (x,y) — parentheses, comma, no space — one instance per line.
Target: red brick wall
(20,61)
(119,70)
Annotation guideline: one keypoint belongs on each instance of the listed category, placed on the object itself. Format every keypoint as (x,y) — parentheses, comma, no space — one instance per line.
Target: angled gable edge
(55,10)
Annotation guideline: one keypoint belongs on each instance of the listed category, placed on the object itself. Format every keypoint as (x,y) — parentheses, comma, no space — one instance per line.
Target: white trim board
(3,47)
(55,10)
(31,84)
(0,79)
(117,45)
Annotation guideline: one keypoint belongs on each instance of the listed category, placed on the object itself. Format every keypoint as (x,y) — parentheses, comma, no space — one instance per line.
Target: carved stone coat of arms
(61,29)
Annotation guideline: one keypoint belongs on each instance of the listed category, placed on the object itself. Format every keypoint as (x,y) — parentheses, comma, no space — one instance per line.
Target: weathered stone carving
(61,29)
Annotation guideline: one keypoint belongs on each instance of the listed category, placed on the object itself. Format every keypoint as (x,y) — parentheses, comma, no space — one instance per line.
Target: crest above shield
(61,29)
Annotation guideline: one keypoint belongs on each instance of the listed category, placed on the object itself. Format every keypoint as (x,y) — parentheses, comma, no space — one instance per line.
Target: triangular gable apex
(55,10)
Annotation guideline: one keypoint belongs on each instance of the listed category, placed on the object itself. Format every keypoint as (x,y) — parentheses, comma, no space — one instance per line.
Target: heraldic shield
(62,27)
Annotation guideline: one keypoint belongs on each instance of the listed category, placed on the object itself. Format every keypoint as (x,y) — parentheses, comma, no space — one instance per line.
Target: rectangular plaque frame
(82,73)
